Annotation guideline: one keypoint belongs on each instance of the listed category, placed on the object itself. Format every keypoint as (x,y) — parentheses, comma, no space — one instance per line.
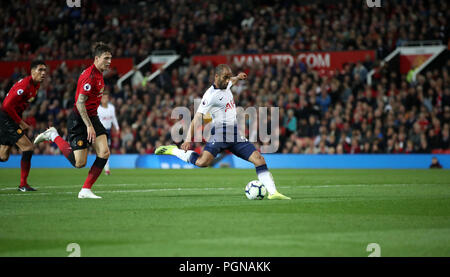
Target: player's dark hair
(220,68)
(36,63)
(100,48)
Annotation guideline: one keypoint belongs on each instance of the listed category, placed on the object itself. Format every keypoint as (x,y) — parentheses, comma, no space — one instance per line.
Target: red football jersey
(19,98)
(92,85)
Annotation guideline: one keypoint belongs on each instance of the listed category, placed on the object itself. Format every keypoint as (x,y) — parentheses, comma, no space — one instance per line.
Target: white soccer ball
(255,190)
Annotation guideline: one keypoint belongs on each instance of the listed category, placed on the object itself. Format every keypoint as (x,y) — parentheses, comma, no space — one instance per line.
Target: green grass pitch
(204,212)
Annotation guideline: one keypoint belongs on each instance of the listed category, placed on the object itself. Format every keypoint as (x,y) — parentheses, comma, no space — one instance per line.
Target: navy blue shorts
(108,133)
(238,145)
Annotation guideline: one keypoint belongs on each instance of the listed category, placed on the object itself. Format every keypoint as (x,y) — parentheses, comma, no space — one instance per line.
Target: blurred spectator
(435,163)
(290,123)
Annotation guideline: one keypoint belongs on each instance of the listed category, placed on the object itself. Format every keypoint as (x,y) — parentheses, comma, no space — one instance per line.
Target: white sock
(267,179)
(83,189)
(181,154)
(53,135)
(107,165)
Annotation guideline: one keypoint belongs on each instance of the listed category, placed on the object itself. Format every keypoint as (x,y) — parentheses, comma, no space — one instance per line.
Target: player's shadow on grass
(200,196)
(48,247)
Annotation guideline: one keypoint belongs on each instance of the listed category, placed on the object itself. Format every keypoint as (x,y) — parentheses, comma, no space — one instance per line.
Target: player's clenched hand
(91,134)
(242,76)
(186,146)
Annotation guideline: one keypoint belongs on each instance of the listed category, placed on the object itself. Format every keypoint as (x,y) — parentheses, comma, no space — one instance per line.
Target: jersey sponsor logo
(101,92)
(19,92)
(87,87)
(230,105)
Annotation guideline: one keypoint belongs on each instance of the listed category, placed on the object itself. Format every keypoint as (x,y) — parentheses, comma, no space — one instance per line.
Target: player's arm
(115,122)
(240,76)
(197,121)
(81,106)
(203,109)
(10,102)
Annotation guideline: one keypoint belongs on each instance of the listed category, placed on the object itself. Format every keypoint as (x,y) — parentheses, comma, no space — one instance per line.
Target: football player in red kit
(12,126)
(84,126)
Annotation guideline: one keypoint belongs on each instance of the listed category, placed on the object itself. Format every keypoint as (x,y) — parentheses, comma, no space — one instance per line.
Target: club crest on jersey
(19,131)
(87,87)
(19,92)
(80,143)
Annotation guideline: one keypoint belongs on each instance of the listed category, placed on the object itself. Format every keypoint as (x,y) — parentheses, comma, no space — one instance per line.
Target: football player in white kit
(107,115)
(218,100)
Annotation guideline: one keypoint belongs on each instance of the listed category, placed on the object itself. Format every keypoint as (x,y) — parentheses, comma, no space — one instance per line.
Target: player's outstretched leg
(265,176)
(51,134)
(187,156)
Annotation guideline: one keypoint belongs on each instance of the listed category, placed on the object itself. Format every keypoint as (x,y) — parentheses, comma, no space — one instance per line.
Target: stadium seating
(337,114)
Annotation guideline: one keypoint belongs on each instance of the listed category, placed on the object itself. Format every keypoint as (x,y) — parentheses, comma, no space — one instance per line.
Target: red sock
(94,172)
(65,149)
(25,165)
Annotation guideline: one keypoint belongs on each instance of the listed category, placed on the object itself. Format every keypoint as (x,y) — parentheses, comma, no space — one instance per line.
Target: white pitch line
(121,191)
(300,186)
(79,186)
(193,189)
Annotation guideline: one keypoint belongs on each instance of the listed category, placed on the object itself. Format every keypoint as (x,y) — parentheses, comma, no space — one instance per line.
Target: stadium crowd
(318,114)
(135,28)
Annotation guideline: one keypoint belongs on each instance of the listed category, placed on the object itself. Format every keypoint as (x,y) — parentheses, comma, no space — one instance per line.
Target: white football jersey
(220,104)
(107,116)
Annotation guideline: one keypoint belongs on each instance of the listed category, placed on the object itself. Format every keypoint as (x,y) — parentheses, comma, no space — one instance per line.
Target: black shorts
(78,132)
(10,131)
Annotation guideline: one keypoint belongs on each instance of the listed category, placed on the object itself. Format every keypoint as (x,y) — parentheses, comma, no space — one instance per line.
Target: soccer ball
(255,190)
